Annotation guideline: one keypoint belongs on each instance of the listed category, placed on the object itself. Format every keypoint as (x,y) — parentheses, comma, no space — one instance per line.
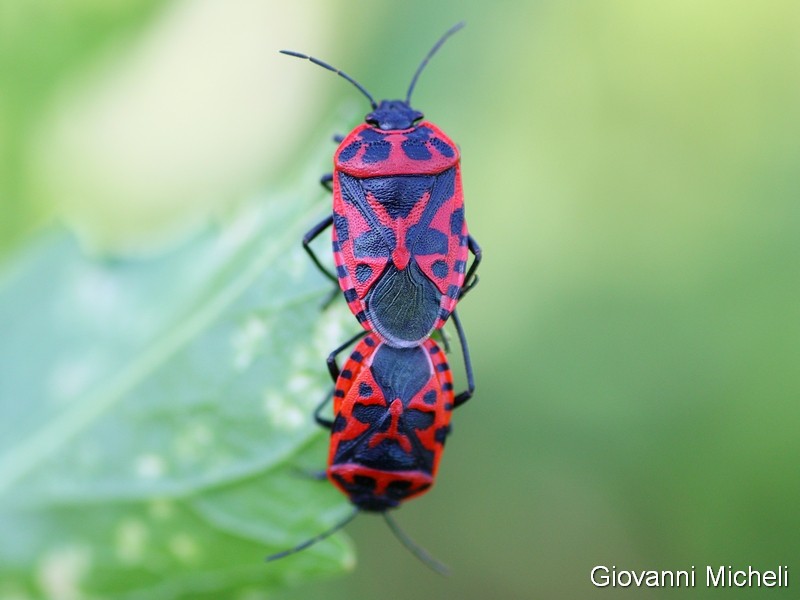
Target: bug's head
(393,114)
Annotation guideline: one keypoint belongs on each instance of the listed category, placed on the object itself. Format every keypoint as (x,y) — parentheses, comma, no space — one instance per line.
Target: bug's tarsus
(316,538)
(326,181)
(414,548)
(322,421)
(309,237)
(471,278)
(433,51)
(462,338)
(325,65)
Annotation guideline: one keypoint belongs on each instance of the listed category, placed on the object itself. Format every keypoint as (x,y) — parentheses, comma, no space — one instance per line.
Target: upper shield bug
(400,240)
(392,409)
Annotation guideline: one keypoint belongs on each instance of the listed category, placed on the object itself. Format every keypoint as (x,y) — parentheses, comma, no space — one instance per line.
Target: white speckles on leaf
(299,383)
(184,547)
(130,540)
(329,332)
(61,571)
(282,412)
(246,342)
(193,441)
(150,466)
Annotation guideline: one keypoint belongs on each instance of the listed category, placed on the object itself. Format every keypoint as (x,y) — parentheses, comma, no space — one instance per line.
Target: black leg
(338,138)
(330,297)
(322,421)
(309,237)
(468,287)
(471,279)
(327,181)
(333,368)
(467,394)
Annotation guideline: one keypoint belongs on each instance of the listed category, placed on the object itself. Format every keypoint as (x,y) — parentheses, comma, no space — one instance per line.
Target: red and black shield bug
(400,240)
(392,410)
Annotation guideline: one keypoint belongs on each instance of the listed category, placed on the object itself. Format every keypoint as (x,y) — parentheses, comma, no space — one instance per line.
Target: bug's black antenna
(316,538)
(415,549)
(324,65)
(436,46)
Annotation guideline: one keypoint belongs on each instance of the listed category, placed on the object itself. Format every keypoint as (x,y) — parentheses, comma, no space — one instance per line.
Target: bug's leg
(330,297)
(326,181)
(310,235)
(322,421)
(338,138)
(333,368)
(466,394)
(471,279)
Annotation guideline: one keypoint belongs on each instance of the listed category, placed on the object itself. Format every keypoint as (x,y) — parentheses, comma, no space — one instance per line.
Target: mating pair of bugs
(400,245)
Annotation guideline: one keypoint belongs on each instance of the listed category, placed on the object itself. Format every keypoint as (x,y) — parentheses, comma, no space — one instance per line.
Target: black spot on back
(377,151)
(374,244)
(424,241)
(363,272)
(415,149)
(370,414)
(349,151)
(442,147)
(417,419)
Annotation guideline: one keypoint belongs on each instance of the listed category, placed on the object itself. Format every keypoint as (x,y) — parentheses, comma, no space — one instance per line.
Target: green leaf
(155,428)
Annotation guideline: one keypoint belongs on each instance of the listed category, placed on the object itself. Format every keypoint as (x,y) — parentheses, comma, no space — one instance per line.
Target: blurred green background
(631,171)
